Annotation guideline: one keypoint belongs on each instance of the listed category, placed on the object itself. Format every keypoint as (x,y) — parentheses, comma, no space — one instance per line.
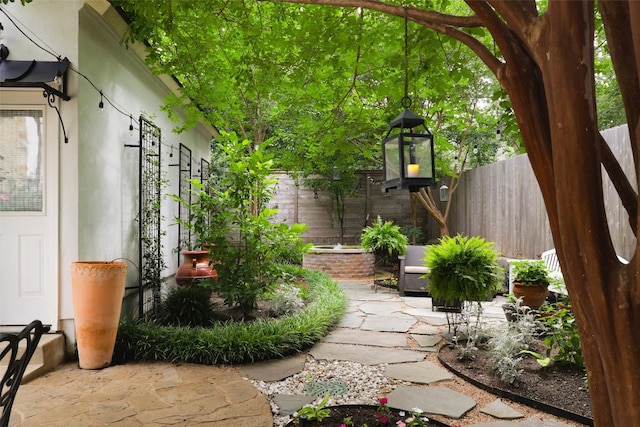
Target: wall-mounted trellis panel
(150,178)
(184,188)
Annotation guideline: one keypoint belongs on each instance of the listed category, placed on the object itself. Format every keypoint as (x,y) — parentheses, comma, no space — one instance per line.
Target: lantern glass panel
(391,159)
(417,156)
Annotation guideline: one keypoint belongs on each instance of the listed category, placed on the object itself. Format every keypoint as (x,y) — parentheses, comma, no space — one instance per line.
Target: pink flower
(401,424)
(343,425)
(383,419)
(410,419)
(383,401)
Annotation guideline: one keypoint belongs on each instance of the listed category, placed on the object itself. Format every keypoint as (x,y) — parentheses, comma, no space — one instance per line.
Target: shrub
(237,342)
(508,343)
(385,240)
(186,306)
(463,269)
(562,337)
(246,245)
(285,300)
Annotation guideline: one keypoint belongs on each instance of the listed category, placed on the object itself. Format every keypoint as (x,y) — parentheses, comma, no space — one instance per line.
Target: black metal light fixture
(407,149)
(408,155)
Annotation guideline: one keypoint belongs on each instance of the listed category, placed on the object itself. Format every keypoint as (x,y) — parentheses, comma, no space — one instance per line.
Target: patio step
(49,354)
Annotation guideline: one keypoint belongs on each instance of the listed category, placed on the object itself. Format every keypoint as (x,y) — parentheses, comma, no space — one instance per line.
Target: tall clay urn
(98,289)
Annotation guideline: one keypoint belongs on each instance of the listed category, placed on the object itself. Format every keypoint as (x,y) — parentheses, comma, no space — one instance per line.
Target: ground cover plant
(233,342)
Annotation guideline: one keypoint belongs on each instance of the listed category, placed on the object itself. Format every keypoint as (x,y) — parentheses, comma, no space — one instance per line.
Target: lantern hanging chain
(406,101)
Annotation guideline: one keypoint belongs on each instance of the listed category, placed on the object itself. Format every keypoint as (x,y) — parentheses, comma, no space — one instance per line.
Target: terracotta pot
(532,295)
(98,289)
(195,266)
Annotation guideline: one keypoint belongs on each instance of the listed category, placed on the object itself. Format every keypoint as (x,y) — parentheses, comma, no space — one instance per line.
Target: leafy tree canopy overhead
(323,83)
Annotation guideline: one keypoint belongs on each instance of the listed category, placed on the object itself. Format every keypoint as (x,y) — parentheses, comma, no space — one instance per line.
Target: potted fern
(462,269)
(531,282)
(386,240)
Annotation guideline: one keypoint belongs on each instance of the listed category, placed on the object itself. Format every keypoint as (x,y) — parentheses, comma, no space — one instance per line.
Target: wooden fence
(317,208)
(500,202)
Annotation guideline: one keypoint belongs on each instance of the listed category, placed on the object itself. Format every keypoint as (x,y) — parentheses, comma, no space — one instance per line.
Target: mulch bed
(558,390)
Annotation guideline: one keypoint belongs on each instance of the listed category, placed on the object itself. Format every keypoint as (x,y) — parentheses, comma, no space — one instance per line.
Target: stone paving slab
(395,323)
(499,409)
(375,338)
(366,355)
(426,340)
(274,370)
(425,329)
(424,372)
(422,303)
(382,307)
(432,400)
(141,394)
(351,320)
(290,403)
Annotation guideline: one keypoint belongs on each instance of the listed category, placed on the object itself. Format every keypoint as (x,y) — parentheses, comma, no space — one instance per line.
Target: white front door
(28,208)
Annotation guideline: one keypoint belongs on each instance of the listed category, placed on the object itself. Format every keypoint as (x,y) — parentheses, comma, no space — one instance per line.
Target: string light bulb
(171,152)
(1,31)
(101,104)
(131,124)
(498,133)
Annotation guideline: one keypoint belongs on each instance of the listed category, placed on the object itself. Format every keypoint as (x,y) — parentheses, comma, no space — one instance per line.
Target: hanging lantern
(444,193)
(407,153)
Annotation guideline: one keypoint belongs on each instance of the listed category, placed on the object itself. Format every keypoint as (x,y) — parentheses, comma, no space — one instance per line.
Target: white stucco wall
(98,175)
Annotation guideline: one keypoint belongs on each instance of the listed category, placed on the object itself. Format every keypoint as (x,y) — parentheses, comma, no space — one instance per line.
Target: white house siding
(98,191)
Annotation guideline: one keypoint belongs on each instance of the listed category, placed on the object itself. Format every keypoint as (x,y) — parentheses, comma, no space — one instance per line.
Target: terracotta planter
(194,267)
(532,295)
(98,289)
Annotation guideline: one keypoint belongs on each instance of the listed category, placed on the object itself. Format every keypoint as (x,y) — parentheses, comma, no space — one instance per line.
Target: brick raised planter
(346,263)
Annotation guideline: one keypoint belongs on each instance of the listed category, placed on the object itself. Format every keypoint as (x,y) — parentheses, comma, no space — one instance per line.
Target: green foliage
(531,273)
(246,246)
(315,413)
(463,269)
(385,239)
(414,234)
(186,306)
(237,342)
(562,338)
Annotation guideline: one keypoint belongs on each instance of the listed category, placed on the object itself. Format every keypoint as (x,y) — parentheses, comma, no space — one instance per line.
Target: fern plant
(385,239)
(463,269)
